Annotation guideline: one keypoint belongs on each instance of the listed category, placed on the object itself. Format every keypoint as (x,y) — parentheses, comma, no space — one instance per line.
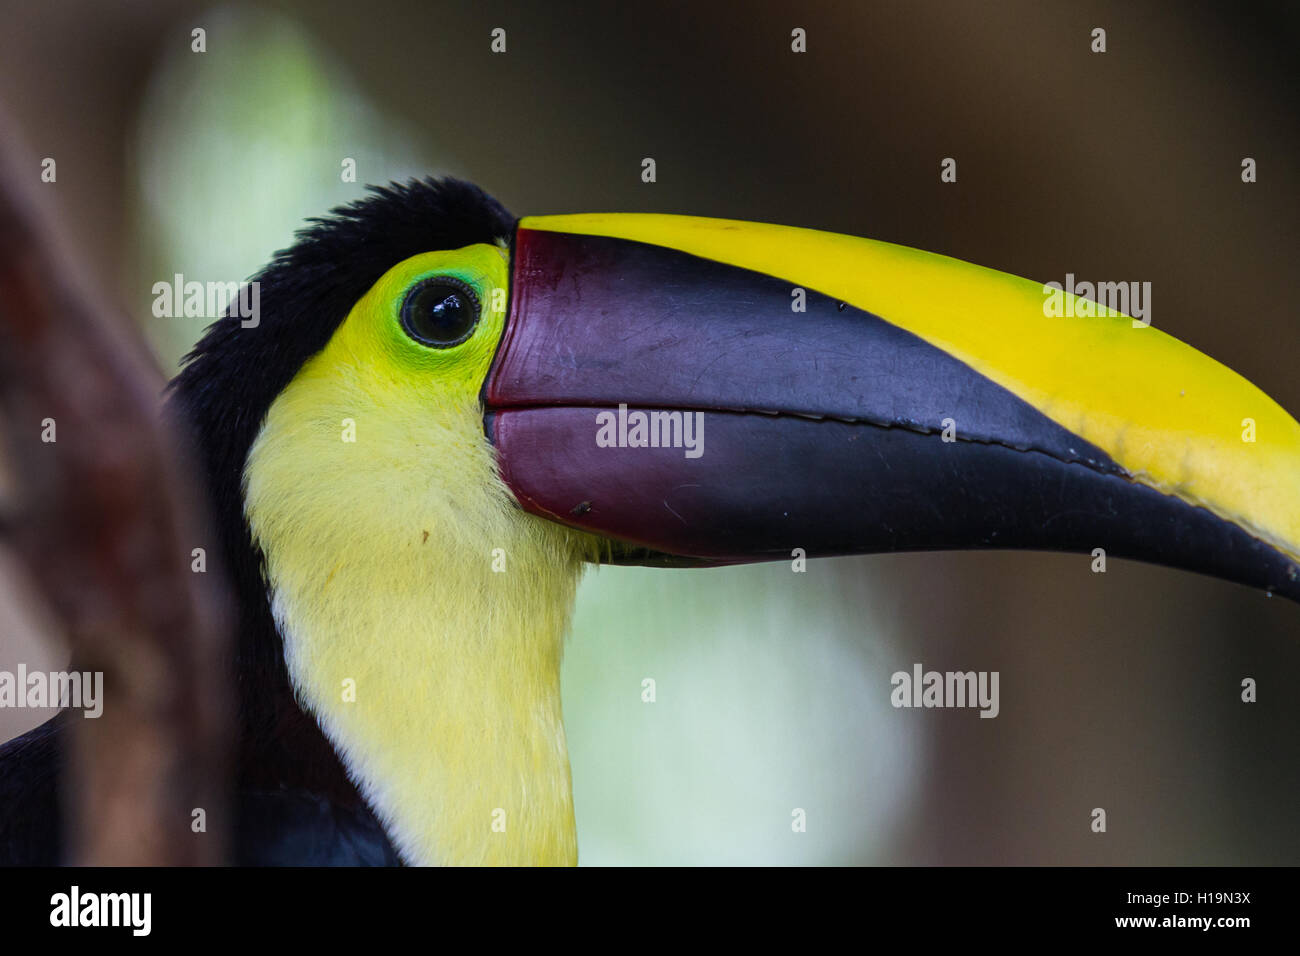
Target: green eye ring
(440,312)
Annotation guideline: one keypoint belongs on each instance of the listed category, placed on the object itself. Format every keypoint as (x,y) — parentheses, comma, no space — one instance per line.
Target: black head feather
(234,374)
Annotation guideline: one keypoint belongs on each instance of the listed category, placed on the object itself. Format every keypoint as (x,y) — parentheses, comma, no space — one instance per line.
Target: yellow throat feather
(422,612)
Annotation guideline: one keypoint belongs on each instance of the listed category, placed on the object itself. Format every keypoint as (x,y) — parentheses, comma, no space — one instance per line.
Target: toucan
(443,414)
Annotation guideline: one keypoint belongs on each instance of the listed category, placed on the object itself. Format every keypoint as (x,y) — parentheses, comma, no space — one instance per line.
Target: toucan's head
(442,413)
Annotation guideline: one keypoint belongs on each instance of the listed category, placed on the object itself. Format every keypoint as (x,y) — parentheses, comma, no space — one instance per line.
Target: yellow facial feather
(422,611)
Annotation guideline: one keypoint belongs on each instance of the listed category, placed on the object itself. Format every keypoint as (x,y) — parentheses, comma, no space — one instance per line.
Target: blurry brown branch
(106,519)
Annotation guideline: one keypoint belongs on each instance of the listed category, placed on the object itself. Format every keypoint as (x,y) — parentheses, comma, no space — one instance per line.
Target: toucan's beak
(721,391)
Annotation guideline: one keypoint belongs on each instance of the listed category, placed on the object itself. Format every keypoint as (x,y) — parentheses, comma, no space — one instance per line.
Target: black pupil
(440,313)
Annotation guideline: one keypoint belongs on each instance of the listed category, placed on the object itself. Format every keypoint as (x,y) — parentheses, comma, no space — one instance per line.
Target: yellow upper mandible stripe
(1174,418)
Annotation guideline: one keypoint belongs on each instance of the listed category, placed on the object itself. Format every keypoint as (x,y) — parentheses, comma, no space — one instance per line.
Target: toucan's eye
(440,312)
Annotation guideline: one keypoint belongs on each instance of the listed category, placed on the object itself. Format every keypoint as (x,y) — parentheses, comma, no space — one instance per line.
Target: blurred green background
(1118,691)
